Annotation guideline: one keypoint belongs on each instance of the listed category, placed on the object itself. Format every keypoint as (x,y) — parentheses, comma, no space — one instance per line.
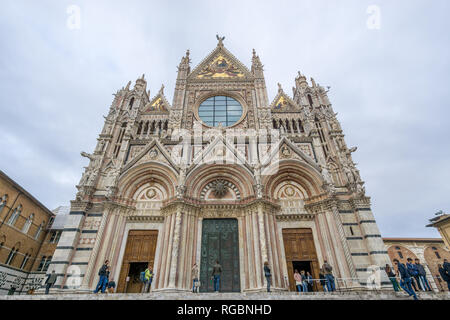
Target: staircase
(364,295)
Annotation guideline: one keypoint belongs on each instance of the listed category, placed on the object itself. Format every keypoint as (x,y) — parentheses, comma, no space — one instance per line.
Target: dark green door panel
(220,241)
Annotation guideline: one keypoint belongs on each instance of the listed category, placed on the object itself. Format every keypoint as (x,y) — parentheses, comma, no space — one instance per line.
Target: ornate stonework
(282,165)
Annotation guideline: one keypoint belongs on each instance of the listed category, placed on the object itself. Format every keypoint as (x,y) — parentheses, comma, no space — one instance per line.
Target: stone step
(233,296)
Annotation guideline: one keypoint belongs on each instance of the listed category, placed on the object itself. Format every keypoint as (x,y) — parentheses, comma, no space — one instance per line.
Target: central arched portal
(220,241)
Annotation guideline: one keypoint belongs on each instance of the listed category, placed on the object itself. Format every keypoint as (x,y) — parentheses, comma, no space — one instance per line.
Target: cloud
(389,86)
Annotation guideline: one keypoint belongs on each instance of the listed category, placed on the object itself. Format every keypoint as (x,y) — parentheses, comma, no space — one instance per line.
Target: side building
(27,240)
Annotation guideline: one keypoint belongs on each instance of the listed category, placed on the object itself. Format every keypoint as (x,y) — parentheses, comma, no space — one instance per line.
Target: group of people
(413,276)
(104,281)
(215,277)
(303,280)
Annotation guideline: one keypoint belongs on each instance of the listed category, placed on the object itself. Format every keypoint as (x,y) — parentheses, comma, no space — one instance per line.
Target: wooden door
(139,251)
(299,247)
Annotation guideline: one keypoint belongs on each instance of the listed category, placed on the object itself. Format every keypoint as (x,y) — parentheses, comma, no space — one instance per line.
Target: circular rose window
(220,110)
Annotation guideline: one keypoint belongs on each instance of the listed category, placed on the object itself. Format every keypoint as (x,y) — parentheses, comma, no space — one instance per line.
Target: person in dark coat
(51,280)
(309,280)
(103,281)
(405,283)
(446,266)
(412,269)
(267,274)
(444,275)
(422,275)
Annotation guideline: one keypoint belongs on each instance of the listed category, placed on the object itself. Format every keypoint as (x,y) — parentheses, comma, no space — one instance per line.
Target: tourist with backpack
(148,277)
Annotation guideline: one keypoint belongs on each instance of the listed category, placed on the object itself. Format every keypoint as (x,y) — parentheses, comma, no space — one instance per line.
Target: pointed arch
(15,215)
(28,223)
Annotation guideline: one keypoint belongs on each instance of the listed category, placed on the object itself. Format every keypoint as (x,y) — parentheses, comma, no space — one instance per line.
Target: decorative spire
(183,68)
(280,89)
(300,80)
(161,91)
(257,67)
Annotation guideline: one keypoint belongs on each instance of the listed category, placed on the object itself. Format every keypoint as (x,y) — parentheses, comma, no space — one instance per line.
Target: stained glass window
(220,109)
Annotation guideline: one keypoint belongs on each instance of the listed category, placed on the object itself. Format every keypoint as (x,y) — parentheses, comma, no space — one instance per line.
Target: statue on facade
(348,173)
(111,179)
(326,174)
(220,39)
(258,186)
(181,187)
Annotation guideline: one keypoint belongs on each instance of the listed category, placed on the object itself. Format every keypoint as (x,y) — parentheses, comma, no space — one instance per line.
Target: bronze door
(220,241)
(139,253)
(300,251)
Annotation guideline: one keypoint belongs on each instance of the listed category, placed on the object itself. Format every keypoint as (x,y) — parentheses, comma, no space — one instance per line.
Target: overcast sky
(389,83)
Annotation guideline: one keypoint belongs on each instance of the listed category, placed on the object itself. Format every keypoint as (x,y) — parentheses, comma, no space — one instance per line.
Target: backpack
(142,276)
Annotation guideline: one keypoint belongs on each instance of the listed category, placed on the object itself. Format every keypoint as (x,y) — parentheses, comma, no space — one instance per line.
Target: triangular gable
(158,104)
(220,63)
(142,156)
(283,103)
(218,150)
(286,149)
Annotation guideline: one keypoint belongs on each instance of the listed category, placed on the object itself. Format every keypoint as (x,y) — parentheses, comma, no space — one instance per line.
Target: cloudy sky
(389,83)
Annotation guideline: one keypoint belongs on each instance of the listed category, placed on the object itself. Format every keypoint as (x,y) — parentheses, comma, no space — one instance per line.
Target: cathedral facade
(225,174)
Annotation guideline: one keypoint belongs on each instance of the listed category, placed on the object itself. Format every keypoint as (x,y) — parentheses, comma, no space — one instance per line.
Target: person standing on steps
(446,266)
(194,274)
(309,281)
(304,281)
(51,279)
(406,280)
(267,274)
(148,278)
(103,281)
(217,271)
(328,270)
(322,280)
(298,281)
(391,276)
(444,275)
(422,275)
(414,272)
